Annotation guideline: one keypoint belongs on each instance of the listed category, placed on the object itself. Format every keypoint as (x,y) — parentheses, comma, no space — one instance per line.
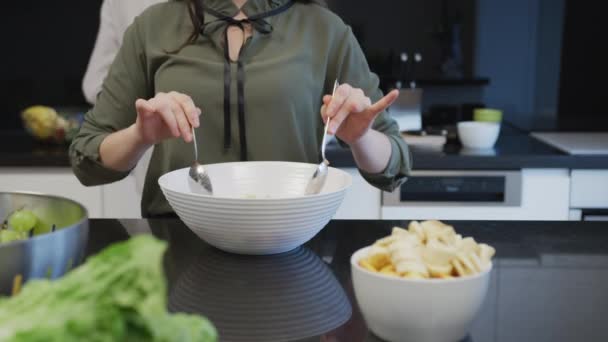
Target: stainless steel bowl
(48,255)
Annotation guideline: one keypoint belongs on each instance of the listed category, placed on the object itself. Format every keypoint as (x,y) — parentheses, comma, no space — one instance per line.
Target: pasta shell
(440,271)
(405,267)
(416,228)
(438,253)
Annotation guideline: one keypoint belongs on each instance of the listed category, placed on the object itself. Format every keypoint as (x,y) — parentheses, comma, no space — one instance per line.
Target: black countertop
(514,150)
(17,149)
(548,284)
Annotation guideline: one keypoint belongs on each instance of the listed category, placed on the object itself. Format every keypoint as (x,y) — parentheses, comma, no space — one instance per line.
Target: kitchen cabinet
(362,201)
(53,181)
(562,300)
(122,199)
(546,194)
(117,200)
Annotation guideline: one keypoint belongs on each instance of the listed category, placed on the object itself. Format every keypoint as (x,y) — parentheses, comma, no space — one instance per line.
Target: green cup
(487,115)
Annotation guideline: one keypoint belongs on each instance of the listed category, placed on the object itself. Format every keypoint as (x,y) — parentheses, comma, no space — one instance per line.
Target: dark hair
(195,11)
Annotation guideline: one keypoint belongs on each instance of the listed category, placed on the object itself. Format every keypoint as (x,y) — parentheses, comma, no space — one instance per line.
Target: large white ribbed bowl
(257,207)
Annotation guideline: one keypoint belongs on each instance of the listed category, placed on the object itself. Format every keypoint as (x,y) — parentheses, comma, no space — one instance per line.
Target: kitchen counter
(549,281)
(514,151)
(17,149)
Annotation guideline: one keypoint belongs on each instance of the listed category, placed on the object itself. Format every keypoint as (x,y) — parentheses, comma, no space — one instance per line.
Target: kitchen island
(548,284)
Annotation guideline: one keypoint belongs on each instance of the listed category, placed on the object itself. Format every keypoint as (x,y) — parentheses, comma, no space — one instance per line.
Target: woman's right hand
(167,115)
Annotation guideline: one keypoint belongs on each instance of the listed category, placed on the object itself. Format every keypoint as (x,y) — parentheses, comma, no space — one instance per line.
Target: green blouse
(288,64)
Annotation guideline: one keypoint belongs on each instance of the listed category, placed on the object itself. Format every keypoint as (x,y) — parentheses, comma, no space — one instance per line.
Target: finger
(323,110)
(336,121)
(354,105)
(182,120)
(337,101)
(188,107)
(382,104)
(326,101)
(143,107)
(163,109)
(358,102)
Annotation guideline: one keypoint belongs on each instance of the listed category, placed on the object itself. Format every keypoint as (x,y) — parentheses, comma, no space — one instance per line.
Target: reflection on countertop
(286,297)
(548,285)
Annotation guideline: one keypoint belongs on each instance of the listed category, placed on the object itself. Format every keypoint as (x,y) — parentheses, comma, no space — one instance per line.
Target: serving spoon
(197,172)
(315,184)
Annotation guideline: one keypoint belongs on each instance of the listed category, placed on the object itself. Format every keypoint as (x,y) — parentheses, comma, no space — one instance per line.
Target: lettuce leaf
(119,294)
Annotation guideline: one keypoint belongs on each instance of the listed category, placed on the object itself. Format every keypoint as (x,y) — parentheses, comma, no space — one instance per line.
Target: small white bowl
(478,135)
(428,310)
(257,207)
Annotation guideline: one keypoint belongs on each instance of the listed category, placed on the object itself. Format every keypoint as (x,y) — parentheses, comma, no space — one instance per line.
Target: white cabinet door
(52,181)
(589,189)
(567,303)
(121,200)
(362,201)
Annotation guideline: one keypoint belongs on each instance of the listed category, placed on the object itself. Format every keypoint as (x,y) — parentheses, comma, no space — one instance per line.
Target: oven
(452,188)
(480,195)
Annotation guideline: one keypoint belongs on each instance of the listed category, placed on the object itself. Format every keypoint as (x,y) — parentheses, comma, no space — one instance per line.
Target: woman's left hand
(352,112)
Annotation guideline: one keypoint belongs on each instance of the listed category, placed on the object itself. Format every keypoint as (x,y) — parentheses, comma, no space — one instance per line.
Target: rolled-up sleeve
(114,110)
(350,66)
(399,165)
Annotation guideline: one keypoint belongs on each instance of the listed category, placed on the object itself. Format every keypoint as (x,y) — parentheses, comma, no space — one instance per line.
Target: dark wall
(45,50)
(583,93)
(506,53)
(45,46)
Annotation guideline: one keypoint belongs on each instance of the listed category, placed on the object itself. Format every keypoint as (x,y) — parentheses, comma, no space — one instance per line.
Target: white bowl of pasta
(419,306)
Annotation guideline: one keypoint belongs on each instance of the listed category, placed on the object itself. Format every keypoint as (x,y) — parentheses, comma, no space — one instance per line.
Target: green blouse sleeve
(114,110)
(351,67)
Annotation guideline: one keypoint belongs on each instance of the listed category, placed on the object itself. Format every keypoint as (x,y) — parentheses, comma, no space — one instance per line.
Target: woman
(257,70)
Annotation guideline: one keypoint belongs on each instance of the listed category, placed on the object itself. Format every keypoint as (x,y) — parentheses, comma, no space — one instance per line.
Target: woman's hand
(352,112)
(167,115)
